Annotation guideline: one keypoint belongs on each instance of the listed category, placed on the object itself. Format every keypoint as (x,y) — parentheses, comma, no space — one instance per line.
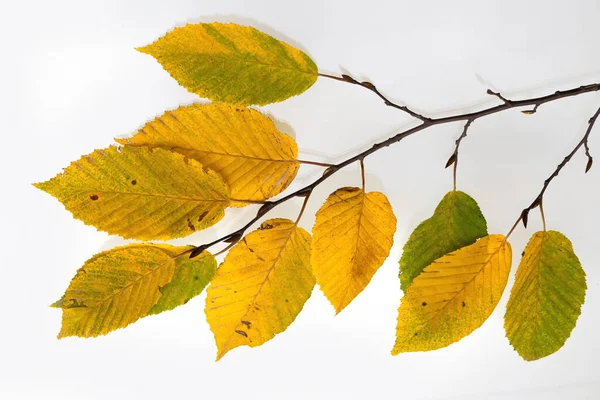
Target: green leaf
(546,298)
(233,64)
(456,222)
(189,280)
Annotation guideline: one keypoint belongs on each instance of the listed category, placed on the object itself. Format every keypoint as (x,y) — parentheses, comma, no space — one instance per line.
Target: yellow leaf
(233,64)
(117,287)
(139,193)
(352,237)
(453,296)
(546,298)
(252,156)
(261,286)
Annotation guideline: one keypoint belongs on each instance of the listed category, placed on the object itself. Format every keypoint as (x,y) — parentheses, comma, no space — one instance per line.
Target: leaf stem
(362,173)
(269,205)
(368,85)
(543,216)
(319,164)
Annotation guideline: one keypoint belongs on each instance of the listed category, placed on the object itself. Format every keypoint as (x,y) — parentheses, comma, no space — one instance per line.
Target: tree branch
(540,197)
(372,88)
(426,123)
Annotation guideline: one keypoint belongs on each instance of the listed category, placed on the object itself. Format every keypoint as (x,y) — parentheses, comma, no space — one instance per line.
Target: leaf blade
(116,288)
(456,222)
(546,299)
(368,224)
(242,145)
(261,286)
(453,296)
(233,64)
(140,194)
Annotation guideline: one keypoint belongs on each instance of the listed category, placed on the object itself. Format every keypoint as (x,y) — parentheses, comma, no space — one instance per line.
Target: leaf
(242,145)
(352,237)
(233,64)
(189,279)
(546,298)
(261,286)
(140,193)
(117,287)
(456,222)
(453,296)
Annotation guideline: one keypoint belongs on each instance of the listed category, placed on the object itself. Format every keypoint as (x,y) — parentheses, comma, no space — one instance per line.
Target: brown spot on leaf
(190,225)
(244,334)
(463,304)
(201,217)
(94,197)
(247,323)
(134,182)
(423,304)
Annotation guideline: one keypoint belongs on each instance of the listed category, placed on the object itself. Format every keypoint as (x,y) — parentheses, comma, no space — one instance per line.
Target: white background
(71,81)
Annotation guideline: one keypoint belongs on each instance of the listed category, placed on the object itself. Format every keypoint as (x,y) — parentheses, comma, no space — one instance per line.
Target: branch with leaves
(179,173)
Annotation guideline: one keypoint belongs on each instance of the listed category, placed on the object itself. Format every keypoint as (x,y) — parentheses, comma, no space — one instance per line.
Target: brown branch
(427,123)
(372,88)
(537,202)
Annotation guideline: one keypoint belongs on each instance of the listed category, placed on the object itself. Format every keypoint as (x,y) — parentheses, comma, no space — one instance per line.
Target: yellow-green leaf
(189,279)
(453,296)
(456,222)
(233,64)
(140,193)
(352,237)
(546,298)
(242,145)
(117,287)
(261,286)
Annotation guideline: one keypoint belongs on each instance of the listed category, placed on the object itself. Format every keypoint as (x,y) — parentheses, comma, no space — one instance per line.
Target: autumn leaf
(546,298)
(189,279)
(139,193)
(456,222)
(242,145)
(453,296)
(261,286)
(352,237)
(233,64)
(117,287)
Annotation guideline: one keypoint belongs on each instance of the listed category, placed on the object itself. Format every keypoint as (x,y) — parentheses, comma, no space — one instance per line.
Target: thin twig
(269,205)
(537,202)
(372,88)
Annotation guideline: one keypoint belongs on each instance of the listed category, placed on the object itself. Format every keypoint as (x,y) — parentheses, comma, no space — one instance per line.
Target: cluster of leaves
(179,173)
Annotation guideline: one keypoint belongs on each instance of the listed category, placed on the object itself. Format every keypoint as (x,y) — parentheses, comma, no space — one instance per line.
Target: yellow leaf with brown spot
(261,286)
(140,193)
(352,237)
(233,64)
(117,287)
(453,296)
(242,145)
